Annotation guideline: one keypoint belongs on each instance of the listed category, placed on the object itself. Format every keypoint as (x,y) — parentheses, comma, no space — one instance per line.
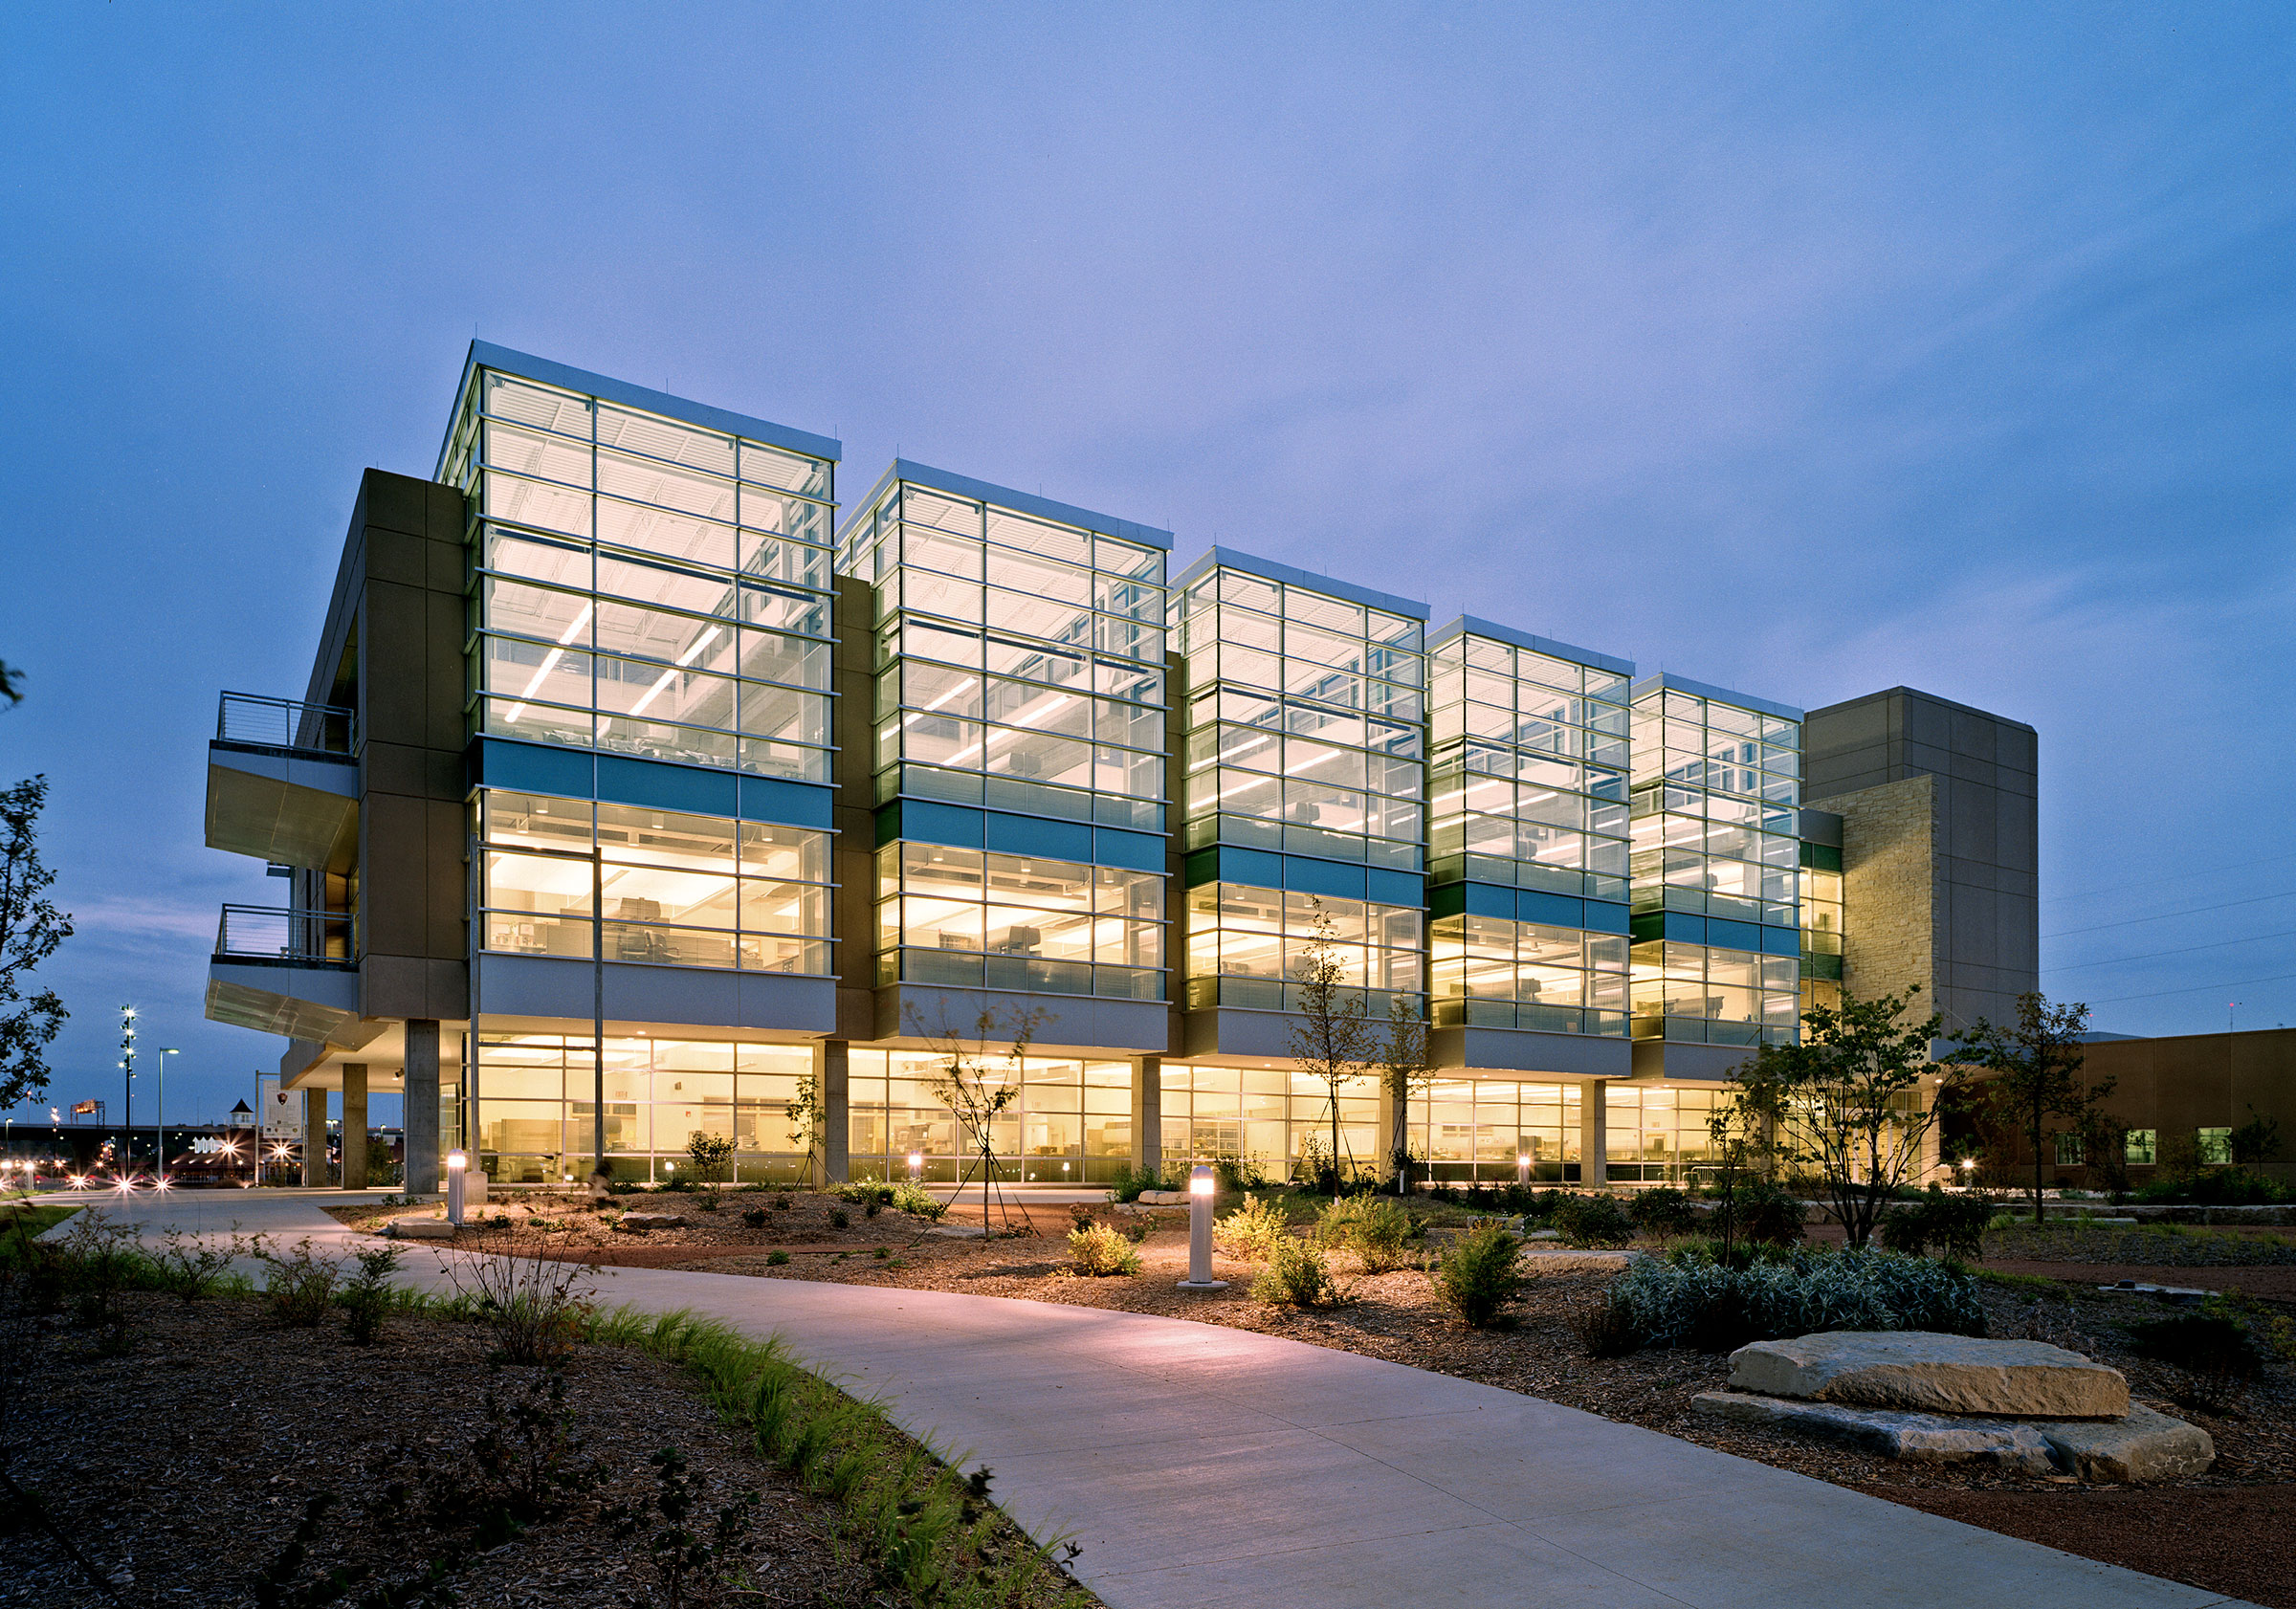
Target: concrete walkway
(1200,1466)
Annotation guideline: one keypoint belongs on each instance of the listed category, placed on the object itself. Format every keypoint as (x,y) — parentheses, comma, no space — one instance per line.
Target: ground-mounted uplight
(1201,1186)
(457,1169)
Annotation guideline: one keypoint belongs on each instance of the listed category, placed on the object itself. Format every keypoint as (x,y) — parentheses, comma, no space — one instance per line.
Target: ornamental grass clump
(1098,1251)
(1695,1302)
(1254,1229)
(1298,1276)
(1376,1228)
(1481,1273)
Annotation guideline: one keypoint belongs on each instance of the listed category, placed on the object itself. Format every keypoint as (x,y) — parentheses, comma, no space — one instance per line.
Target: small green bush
(366,1297)
(1254,1229)
(917,1201)
(1099,1252)
(1701,1304)
(1662,1211)
(1298,1276)
(754,1217)
(1130,1182)
(1376,1228)
(1481,1273)
(2205,1343)
(2218,1187)
(1760,1212)
(1948,1226)
(300,1286)
(1591,1221)
(777,1259)
(839,1219)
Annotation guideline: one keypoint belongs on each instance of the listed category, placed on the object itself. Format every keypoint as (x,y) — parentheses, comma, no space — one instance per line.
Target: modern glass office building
(633,795)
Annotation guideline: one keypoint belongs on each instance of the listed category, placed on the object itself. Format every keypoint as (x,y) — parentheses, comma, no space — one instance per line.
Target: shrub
(708,1203)
(1481,1273)
(1701,1304)
(536,1307)
(191,1269)
(1760,1212)
(1376,1228)
(781,1203)
(777,1259)
(1591,1221)
(367,1298)
(841,1219)
(754,1217)
(1254,1229)
(918,1202)
(1237,1174)
(1098,1250)
(2204,1343)
(1951,1226)
(1130,1182)
(1662,1211)
(2220,1187)
(300,1286)
(1297,1274)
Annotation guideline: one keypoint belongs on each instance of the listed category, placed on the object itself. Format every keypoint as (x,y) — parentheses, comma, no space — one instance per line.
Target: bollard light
(916,1167)
(1522,1170)
(457,1164)
(1201,1186)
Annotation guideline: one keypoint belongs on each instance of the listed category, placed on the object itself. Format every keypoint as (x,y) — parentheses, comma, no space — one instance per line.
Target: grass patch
(923,1526)
(2035,1285)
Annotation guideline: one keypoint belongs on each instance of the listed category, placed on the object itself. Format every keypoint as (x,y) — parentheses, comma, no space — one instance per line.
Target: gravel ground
(1397,1317)
(184,1466)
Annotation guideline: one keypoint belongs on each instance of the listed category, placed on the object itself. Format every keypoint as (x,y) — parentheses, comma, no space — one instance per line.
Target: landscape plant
(1661,1210)
(30,928)
(1692,1301)
(1405,1070)
(1481,1273)
(1947,1225)
(976,1086)
(711,1155)
(1591,1220)
(536,1307)
(1252,1231)
(299,1284)
(1298,1274)
(366,1297)
(2033,1071)
(1377,1229)
(1098,1251)
(1332,1043)
(1848,1101)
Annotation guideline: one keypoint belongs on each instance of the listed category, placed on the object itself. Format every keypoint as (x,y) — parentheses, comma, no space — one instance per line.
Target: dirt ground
(1397,1317)
(184,1466)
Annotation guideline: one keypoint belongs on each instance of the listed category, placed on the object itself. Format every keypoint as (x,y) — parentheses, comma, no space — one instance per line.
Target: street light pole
(597,1010)
(127,1090)
(159,1126)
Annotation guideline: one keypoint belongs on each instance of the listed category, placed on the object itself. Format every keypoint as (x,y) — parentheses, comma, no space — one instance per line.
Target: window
(1246,947)
(2068,1151)
(679,890)
(1489,972)
(1698,995)
(2214,1146)
(967,917)
(2140,1148)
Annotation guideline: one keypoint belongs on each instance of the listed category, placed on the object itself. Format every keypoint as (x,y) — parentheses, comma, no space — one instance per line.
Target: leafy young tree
(1404,1070)
(30,928)
(977,1086)
(1847,1100)
(805,1113)
(709,1153)
(1334,1045)
(2034,1073)
(1744,1129)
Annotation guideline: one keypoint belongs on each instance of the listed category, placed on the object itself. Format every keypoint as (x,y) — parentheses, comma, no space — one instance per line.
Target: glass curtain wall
(1019,662)
(1246,945)
(679,890)
(966,918)
(1070,1121)
(1264,1116)
(536,1106)
(1306,722)
(644,586)
(1530,769)
(1716,792)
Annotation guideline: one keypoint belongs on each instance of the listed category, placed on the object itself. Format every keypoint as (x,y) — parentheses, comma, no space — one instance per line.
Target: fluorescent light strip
(550,662)
(683,660)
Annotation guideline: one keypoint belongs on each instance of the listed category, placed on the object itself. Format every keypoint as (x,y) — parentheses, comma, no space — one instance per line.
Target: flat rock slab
(638,1223)
(2143,1447)
(1539,1261)
(1924,1371)
(420,1230)
(1922,1438)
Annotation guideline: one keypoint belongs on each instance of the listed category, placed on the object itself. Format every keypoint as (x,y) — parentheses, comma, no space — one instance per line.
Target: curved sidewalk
(1200,1466)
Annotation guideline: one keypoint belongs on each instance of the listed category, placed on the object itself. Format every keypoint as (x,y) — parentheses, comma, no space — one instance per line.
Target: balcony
(287,972)
(283,782)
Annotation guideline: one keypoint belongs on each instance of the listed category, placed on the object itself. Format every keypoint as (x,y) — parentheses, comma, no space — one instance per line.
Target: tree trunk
(2037,1209)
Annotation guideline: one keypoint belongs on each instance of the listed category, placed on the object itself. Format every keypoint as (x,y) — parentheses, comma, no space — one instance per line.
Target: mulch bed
(1397,1317)
(184,1466)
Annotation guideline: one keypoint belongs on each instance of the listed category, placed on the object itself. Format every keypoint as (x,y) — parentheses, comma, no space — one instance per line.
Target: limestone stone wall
(1889,854)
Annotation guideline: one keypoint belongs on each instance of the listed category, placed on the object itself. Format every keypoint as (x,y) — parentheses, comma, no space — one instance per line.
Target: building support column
(354,1125)
(836,1112)
(1147,1114)
(315,1137)
(1592,1169)
(421,1123)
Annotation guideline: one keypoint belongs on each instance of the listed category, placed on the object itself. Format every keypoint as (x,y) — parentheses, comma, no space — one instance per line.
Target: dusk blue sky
(1806,351)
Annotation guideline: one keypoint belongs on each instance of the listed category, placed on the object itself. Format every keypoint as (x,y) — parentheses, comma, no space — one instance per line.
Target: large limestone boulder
(1925,1372)
(2144,1446)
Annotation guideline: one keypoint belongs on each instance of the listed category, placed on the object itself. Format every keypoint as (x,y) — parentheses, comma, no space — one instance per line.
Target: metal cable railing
(285,724)
(266,933)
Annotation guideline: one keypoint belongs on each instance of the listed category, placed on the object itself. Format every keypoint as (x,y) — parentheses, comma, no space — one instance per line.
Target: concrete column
(354,1125)
(1591,1140)
(1147,1113)
(315,1136)
(423,1161)
(836,1112)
